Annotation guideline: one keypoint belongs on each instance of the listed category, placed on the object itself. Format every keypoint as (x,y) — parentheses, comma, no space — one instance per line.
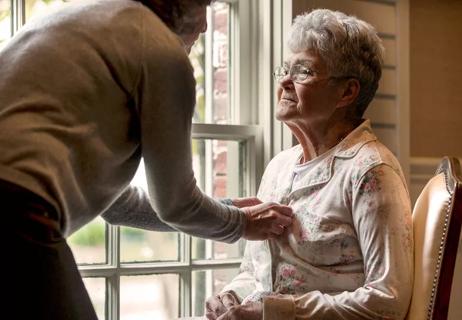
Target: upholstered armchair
(437,218)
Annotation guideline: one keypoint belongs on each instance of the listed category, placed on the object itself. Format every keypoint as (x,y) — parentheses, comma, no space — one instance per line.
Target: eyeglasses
(297,72)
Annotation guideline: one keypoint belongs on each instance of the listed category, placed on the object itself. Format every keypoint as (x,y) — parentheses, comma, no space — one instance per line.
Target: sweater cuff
(242,217)
(239,222)
(278,307)
(227,201)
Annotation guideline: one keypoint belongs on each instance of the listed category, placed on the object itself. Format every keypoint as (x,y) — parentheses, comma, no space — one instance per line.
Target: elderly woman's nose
(286,81)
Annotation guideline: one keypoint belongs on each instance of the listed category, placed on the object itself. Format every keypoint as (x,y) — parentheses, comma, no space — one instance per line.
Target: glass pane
(5,22)
(206,283)
(96,287)
(210,60)
(140,245)
(37,8)
(219,167)
(207,249)
(88,244)
(149,297)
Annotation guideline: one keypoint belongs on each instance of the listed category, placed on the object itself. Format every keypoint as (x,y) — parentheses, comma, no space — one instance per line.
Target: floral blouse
(349,252)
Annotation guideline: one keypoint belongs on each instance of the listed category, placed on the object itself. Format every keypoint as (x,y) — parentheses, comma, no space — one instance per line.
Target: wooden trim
(403,85)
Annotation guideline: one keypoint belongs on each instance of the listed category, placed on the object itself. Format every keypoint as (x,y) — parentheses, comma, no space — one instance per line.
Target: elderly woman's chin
(286,110)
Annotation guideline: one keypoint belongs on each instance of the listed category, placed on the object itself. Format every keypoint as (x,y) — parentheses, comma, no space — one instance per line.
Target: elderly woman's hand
(266,220)
(249,311)
(219,304)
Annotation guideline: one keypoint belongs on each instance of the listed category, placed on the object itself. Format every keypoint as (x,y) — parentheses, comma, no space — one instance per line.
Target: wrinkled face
(311,100)
(194,23)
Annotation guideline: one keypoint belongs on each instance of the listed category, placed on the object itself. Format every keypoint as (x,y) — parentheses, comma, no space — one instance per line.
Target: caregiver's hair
(171,12)
(349,46)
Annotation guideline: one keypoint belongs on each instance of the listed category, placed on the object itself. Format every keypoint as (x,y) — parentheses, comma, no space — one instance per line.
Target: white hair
(349,46)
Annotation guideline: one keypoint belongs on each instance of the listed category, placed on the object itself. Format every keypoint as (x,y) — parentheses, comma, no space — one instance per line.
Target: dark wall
(436,77)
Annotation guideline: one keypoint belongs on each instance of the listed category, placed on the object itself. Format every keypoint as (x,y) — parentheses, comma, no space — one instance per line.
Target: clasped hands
(226,306)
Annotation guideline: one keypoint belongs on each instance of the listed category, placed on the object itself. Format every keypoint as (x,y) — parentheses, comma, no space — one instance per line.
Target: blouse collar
(347,148)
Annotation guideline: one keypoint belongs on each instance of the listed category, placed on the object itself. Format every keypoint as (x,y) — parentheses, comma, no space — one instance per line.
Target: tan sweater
(84,94)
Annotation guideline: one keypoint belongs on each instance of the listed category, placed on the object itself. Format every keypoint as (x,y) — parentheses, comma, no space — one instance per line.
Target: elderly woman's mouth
(289,99)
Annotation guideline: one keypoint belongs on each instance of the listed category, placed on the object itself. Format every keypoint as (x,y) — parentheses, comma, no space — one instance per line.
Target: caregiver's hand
(266,220)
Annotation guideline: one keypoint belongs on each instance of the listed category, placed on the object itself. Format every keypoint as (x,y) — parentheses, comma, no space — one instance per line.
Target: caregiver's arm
(382,218)
(133,209)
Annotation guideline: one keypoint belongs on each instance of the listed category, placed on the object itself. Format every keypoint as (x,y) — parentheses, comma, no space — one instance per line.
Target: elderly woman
(348,253)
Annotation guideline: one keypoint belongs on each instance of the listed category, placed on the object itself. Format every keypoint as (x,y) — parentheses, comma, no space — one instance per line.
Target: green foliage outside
(93,234)
(133,234)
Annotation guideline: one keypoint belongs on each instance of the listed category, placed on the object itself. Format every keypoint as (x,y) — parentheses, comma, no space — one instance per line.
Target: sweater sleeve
(382,217)
(133,209)
(166,100)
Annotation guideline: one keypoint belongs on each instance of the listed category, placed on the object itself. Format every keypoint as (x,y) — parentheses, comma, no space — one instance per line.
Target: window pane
(96,287)
(5,22)
(149,297)
(88,244)
(219,167)
(210,60)
(37,8)
(206,249)
(207,283)
(139,245)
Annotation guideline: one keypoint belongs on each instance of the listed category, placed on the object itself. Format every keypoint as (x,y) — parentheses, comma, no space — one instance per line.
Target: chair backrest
(437,218)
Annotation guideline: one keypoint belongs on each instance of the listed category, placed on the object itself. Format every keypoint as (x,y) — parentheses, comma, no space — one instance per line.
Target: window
(5,22)
(136,274)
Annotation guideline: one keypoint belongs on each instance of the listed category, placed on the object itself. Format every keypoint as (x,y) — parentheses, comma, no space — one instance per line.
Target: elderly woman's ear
(349,91)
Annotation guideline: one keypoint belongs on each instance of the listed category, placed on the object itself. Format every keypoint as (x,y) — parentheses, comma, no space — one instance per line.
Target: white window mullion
(18,15)
(113,297)
(209,78)
(208,167)
(185,277)
(209,84)
(113,282)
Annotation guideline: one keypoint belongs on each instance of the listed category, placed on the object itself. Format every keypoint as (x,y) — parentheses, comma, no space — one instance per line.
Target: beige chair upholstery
(437,218)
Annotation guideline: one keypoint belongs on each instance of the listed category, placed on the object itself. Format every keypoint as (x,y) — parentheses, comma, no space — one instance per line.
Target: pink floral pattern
(371,182)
